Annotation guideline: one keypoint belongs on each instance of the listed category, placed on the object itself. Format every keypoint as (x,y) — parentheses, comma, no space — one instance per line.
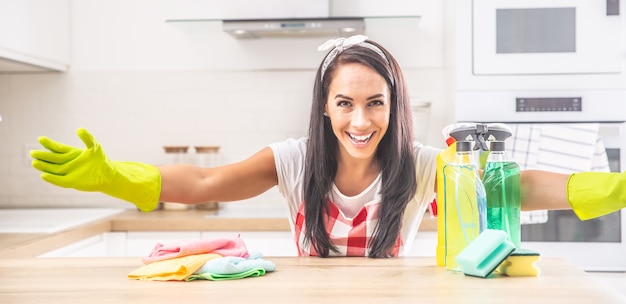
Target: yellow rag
(177,269)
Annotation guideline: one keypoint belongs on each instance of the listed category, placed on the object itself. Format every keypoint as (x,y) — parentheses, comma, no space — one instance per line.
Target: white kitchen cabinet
(139,243)
(275,243)
(425,244)
(110,244)
(268,243)
(34,35)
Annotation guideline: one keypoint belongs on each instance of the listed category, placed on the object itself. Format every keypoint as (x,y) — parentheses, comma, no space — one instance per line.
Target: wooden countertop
(296,280)
(27,279)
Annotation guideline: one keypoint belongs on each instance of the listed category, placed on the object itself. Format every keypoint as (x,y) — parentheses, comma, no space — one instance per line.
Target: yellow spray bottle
(464,203)
(463,207)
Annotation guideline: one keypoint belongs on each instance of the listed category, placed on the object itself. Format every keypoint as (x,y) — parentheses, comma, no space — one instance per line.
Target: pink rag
(224,247)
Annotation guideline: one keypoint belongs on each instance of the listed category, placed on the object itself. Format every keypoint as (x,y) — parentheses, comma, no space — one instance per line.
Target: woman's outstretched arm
(245,179)
(543,190)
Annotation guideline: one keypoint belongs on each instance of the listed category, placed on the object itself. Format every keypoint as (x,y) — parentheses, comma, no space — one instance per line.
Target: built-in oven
(555,134)
(598,244)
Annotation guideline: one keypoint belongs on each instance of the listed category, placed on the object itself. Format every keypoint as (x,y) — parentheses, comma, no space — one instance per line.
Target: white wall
(138,83)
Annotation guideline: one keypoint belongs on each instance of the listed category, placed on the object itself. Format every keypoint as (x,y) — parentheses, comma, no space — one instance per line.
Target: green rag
(254,272)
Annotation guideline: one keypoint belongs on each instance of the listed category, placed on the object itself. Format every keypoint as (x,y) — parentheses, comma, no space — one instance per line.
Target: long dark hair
(394,154)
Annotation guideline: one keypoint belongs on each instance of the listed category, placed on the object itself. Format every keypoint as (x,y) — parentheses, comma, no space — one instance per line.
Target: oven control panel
(548,104)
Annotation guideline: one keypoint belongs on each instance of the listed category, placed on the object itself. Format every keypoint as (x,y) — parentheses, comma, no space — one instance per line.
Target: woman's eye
(377,103)
(343,103)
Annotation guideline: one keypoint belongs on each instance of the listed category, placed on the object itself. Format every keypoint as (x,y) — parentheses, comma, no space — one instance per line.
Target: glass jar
(176,155)
(421,116)
(207,157)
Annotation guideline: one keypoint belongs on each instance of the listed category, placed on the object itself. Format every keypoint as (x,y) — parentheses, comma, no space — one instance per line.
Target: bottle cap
(462,146)
(497,146)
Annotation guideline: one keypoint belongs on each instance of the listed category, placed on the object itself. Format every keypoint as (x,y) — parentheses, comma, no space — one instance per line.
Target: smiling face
(358,105)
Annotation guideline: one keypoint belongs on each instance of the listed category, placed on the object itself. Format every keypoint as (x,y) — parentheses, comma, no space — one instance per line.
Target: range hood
(259,19)
(294,28)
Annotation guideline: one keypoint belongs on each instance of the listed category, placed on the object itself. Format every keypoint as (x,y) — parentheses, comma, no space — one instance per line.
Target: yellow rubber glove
(594,194)
(90,169)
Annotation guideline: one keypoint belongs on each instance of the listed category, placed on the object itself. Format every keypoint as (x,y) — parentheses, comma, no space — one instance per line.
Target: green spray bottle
(502,185)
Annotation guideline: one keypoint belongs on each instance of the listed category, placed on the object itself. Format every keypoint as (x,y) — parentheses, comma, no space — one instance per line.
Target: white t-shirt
(289,156)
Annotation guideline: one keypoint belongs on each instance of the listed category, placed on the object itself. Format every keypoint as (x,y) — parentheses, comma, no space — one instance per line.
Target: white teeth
(362,137)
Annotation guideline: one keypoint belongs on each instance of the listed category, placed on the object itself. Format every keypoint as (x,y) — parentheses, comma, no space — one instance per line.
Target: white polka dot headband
(340,44)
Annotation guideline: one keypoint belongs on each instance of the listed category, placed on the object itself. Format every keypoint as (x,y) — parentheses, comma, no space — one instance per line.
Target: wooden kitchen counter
(296,280)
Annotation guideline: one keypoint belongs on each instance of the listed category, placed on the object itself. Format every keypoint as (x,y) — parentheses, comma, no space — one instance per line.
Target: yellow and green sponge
(521,263)
(483,255)
(492,250)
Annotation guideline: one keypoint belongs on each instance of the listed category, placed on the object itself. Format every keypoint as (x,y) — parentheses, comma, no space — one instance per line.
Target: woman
(356,186)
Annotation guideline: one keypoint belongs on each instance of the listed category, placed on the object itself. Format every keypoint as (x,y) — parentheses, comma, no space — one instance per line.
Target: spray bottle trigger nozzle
(479,137)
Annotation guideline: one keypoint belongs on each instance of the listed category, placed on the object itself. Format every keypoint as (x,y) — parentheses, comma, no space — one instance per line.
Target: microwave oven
(539,44)
(547,37)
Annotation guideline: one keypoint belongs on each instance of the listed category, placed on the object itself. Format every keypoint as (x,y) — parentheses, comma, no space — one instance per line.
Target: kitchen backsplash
(134,114)
(138,83)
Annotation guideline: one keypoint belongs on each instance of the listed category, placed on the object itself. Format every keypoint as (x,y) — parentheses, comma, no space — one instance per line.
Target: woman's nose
(360,118)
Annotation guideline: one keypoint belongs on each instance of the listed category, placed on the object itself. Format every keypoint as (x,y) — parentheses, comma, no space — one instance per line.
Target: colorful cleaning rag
(224,247)
(256,272)
(230,268)
(177,269)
